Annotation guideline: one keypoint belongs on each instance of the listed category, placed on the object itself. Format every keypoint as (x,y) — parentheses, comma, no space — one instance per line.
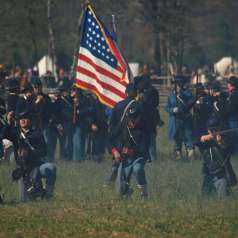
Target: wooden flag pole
(78,32)
(114,29)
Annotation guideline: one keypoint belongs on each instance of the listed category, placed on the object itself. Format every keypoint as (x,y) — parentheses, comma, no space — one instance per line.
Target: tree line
(158,32)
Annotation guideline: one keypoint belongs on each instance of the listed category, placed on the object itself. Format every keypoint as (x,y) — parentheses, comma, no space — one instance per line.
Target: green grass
(82,207)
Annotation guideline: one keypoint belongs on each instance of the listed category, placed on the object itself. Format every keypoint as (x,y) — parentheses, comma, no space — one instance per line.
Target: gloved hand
(175,110)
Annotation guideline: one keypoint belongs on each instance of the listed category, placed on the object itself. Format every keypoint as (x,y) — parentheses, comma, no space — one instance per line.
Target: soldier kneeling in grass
(31,168)
(218,174)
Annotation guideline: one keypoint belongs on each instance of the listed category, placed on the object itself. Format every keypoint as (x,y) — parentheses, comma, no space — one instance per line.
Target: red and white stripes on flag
(101,68)
(95,75)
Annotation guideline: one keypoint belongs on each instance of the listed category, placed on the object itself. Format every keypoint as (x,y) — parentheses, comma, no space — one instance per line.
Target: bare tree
(33,33)
(51,49)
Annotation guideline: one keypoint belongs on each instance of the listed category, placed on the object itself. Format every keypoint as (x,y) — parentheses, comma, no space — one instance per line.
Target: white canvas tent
(226,66)
(45,64)
(134,67)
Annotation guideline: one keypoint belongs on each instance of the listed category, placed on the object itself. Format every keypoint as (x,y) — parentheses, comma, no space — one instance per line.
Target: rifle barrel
(225,131)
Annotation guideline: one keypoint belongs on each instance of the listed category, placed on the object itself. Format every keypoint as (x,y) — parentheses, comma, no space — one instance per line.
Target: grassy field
(82,207)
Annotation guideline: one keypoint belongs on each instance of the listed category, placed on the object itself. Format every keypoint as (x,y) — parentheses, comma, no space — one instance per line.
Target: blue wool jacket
(184,117)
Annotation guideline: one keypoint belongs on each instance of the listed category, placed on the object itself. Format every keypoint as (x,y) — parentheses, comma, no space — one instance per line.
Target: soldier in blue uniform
(218,174)
(55,127)
(42,106)
(150,96)
(201,111)
(133,150)
(118,113)
(63,80)
(34,77)
(97,123)
(31,168)
(26,102)
(219,99)
(178,106)
(231,109)
(42,110)
(81,116)
(67,111)
(129,141)
(13,89)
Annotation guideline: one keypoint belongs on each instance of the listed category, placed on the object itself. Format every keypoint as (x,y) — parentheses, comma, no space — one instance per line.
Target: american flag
(101,68)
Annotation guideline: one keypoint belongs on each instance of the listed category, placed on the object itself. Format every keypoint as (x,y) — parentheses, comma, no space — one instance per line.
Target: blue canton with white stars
(94,40)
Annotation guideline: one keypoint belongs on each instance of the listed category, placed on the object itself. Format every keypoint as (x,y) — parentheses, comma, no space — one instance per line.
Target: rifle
(171,70)
(22,171)
(75,105)
(115,38)
(78,33)
(121,183)
(224,131)
(216,133)
(27,141)
(196,92)
(33,185)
